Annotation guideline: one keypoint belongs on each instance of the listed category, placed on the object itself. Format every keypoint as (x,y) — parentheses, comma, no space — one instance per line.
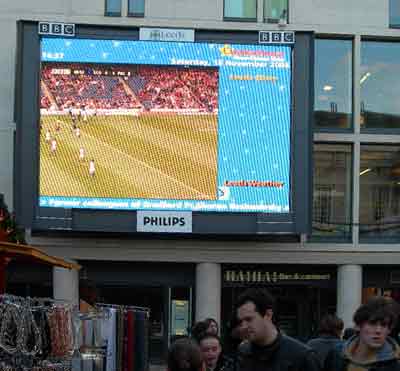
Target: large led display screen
(135,125)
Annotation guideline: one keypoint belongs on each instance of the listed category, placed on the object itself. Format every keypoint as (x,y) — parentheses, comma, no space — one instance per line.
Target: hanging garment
(109,331)
(140,344)
(131,340)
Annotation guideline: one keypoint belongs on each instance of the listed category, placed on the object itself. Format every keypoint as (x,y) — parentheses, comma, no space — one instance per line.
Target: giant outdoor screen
(134,125)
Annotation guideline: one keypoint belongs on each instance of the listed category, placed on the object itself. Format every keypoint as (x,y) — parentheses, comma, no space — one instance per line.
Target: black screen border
(26,167)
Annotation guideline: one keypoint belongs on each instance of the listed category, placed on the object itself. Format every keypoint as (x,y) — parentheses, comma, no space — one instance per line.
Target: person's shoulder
(296,350)
(227,364)
(335,357)
(325,341)
(313,341)
(294,344)
(244,348)
(298,354)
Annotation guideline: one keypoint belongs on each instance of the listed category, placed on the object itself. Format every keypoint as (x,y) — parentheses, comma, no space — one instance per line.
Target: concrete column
(349,291)
(6,163)
(66,284)
(208,291)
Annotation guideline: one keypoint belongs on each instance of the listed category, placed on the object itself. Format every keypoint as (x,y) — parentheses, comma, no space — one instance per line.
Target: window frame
(137,15)
(239,19)
(375,238)
(392,25)
(383,130)
(348,236)
(351,128)
(112,14)
(275,20)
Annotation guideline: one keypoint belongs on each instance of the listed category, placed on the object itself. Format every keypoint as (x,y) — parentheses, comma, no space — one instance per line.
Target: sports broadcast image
(135,125)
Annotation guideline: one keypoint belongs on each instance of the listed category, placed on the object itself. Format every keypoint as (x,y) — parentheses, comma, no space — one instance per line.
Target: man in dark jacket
(371,349)
(330,332)
(266,348)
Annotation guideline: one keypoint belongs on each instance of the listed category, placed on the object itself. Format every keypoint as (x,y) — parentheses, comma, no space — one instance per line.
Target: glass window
(113,8)
(380,192)
(333,84)
(380,83)
(240,10)
(275,11)
(394,13)
(136,8)
(332,192)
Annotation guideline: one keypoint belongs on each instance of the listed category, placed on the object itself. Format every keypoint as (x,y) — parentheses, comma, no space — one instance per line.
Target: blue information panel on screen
(139,125)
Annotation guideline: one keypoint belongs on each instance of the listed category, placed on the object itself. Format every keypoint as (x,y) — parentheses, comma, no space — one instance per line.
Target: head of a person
(211,349)
(212,326)
(254,312)
(235,331)
(199,330)
(185,355)
(88,291)
(374,321)
(348,333)
(331,325)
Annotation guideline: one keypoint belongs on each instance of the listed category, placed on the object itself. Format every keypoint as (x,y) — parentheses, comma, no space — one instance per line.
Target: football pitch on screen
(155,155)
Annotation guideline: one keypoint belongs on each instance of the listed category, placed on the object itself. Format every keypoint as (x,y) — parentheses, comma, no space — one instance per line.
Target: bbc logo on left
(56,29)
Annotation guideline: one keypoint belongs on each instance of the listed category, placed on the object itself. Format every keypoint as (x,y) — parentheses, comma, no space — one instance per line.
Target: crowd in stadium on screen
(145,88)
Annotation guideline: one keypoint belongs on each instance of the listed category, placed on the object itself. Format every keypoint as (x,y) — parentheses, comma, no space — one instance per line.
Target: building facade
(353,250)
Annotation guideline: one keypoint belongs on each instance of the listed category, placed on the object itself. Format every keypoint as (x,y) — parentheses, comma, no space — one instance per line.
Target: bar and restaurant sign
(243,276)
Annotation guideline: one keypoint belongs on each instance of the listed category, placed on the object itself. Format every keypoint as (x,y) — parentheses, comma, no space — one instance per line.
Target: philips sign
(164,222)
(166,34)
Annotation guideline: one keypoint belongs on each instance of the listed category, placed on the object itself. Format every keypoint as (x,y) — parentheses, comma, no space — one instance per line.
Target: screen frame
(26,169)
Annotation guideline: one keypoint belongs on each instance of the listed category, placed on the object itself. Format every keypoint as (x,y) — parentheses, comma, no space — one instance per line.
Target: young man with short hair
(371,349)
(329,336)
(267,348)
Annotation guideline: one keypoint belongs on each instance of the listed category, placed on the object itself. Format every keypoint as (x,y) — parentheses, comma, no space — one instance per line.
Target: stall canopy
(11,251)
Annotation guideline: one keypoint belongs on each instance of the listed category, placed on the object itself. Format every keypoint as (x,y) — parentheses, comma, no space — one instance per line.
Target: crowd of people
(146,87)
(178,88)
(259,344)
(89,91)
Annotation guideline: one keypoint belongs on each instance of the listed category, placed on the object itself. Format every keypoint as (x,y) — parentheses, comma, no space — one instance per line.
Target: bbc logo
(56,29)
(276,37)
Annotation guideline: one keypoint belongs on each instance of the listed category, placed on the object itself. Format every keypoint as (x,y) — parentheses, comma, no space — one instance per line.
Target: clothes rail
(8,298)
(117,306)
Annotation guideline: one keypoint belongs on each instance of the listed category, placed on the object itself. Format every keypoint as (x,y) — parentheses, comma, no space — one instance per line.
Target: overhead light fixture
(327,88)
(365,171)
(366,75)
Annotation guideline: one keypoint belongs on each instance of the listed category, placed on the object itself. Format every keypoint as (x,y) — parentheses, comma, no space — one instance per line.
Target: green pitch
(151,156)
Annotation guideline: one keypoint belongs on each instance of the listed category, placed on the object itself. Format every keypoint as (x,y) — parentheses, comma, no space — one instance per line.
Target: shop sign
(260,276)
(166,34)
(164,221)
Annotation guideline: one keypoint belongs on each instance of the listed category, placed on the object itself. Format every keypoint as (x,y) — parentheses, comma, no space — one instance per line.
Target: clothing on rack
(127,333)
(109,331)
(34,334)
